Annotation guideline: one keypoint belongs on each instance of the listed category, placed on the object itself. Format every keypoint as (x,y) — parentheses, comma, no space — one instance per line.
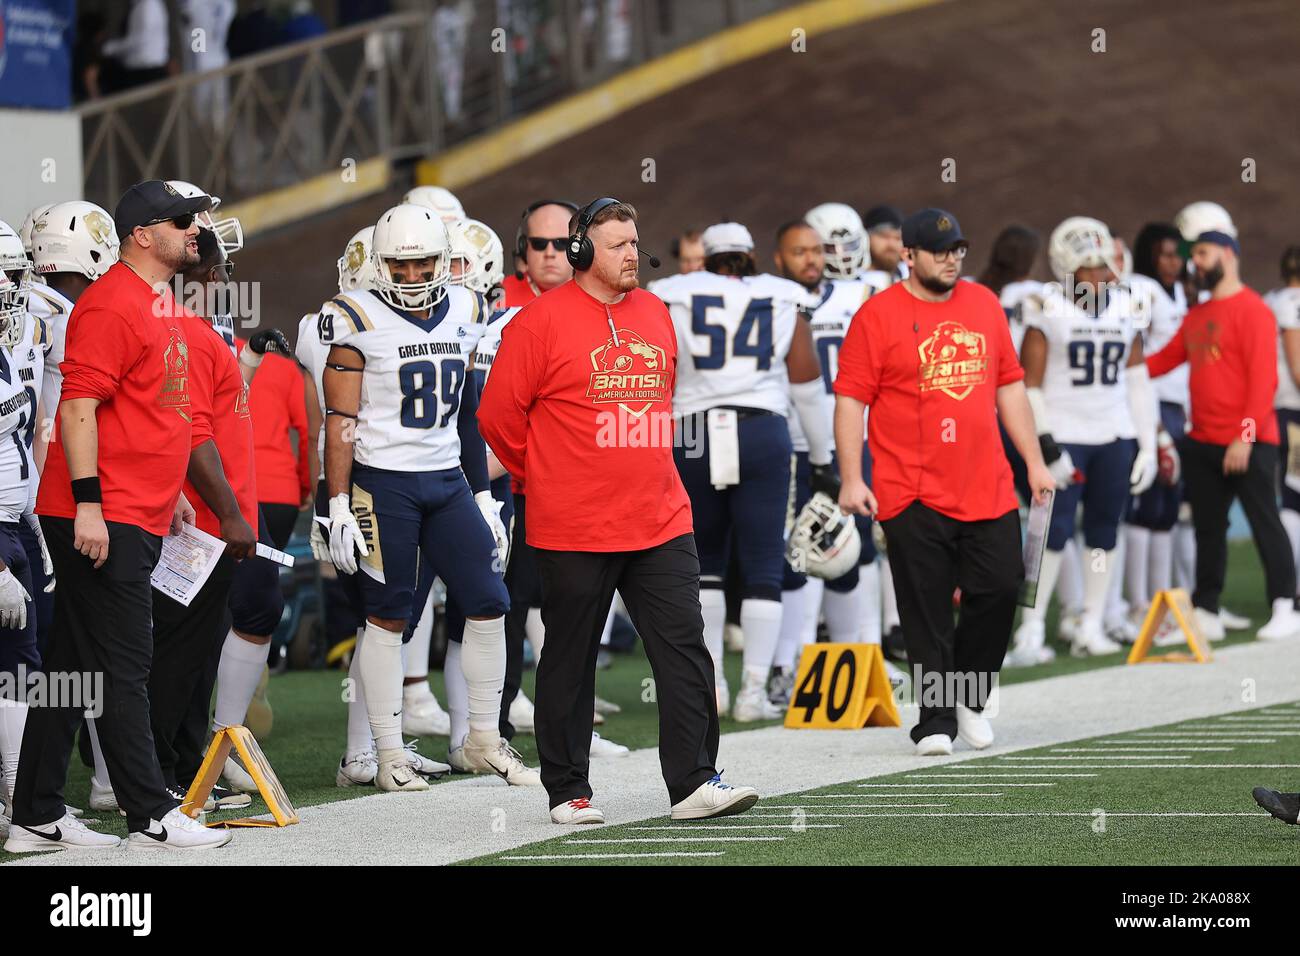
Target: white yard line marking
(969,776)
(607,856)
(967,784)
(684,839)
(874,806)
(1149,751)
(739,826)
(1051,813)
(1148,756)
(1169,766)
(886,796)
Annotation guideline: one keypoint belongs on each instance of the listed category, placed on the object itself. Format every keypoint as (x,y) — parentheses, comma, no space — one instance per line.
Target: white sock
(415,653)
(1160,563)
(1116,607)
(1185,556)
(792,613)
(483,661)
(100,773)
(761,622)
(869,591)
(1069,582)
(1137,566)
(1096,583)
(888,599)
(359,737)
(457,695)
(535,631)
(1291,521)
(609,626)
(13,717)
(713,604)
(843,614)
(814,591)
(238,674)
(381,676)
(1048,573)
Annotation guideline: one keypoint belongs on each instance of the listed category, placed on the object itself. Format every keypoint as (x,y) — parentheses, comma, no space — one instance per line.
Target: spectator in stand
(213,19)
(303,23)
(143,52)
(278,406)
(688,250)
(89,78)
(351,12)
(253,31)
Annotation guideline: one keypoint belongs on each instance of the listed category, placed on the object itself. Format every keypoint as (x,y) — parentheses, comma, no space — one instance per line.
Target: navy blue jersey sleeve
(473,450)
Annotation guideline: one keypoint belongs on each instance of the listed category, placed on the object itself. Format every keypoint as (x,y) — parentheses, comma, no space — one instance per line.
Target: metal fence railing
(398,87)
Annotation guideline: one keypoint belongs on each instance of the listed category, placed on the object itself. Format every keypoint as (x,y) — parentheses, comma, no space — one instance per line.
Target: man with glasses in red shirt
(539,244)
(933,359)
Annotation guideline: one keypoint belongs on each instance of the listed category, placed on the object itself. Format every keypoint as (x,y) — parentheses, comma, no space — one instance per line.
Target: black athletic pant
(183,638)
(102,624)
(930,555)
(525,589)
(278,521)
(661,588)
(1210,493)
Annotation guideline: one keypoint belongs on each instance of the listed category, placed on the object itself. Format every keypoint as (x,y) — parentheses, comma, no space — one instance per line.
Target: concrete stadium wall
(41,161)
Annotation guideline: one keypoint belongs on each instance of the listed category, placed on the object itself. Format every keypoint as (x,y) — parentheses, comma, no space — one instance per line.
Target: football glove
(824,479)
(1171,465)
(320,546)
(1144,472)
(490,508)
(1062,469)
(13,601)
(46,564)
(270,340)
(345,535)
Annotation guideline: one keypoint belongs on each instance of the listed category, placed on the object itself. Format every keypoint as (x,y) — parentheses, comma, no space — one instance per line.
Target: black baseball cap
(882,215)
(154,201)
(934,230)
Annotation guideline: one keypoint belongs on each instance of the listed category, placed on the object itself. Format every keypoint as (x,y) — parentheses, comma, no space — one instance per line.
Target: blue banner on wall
(36,53)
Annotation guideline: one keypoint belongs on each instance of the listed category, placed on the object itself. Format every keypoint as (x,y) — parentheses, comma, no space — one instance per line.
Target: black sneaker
(780,686)
(894,647)
(223,798)
(1284,806)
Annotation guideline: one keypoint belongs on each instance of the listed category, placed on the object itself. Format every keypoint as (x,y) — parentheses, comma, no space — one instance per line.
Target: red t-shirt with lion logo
(929,373)
(580,413)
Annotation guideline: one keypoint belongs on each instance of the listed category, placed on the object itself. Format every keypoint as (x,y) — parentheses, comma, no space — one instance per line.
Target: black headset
(521,234)
(581,252)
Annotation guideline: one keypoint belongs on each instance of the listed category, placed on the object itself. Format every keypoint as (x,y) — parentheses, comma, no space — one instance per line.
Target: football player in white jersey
(407,476)
(750,354)
(1285,303)
(442,201)
(1096,416)
(25,230)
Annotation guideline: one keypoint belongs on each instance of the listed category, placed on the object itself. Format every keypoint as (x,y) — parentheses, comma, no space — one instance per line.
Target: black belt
(742,411)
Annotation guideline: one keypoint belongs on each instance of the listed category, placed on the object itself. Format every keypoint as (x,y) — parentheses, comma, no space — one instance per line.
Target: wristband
(87,491)
(249,358)
(1051,451)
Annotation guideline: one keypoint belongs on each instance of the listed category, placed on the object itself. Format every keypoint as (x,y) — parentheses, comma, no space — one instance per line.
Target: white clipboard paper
(186,563)
(1040,519)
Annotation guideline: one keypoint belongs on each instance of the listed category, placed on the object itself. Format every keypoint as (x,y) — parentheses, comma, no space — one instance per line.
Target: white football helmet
(484,257)
(442,201)
(15,286)
(411,232)
(825,541)
(25,230)
(843,238)
(230,234)
(1080,242)
(1198,217)
(75,237)
(356,267)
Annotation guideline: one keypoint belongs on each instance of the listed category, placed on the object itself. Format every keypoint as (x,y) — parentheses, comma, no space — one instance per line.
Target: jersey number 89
(427,388)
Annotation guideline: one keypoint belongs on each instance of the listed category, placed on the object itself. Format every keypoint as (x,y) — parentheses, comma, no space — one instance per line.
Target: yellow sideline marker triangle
(841,687)
(1173,601)
(255,762)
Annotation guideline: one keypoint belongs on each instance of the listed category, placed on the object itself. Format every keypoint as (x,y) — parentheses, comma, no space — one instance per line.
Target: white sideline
(470,817)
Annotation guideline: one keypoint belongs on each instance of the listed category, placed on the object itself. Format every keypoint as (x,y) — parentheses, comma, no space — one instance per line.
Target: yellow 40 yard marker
(842,687)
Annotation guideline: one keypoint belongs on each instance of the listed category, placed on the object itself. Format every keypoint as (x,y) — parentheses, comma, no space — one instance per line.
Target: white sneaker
(1069,625)
(423,765)
(422,715)
(713,798)
(600,747)
(176,831)
(102,798)
(395,774)
(1233,622)
(752,704)
(1210,624)
(357,769)
(493,754)
(1168,633)
(65,833)
(577,811)
(607,707)
(935,745)
(1283,625)
(1029,648)
(974,728)
(724,696)
(236,776)
(1091,642)
(1123,630)
(521,714)
(733,638)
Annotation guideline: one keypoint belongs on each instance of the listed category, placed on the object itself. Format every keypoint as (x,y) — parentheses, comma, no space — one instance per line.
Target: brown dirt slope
(1040,127)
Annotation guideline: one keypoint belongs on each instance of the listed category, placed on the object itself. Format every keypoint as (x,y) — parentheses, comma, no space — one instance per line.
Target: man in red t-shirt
(1230,341)
(932,357)
(111,489)
(539,245)
(578,405)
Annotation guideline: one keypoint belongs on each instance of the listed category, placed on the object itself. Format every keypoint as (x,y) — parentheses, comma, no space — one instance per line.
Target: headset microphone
(654,260)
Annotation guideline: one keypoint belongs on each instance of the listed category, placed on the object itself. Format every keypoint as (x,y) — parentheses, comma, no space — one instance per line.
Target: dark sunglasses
(539,244)
(180,222)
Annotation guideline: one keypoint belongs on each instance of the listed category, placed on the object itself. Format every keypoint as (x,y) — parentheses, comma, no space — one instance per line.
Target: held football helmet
(74,237)
(1198,217)
(825,541)
(229,232)
(25,231)
(442,201)
(1078,243)
(411,232)
(843,238)
(15,286)
(480,253)
(356,267)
